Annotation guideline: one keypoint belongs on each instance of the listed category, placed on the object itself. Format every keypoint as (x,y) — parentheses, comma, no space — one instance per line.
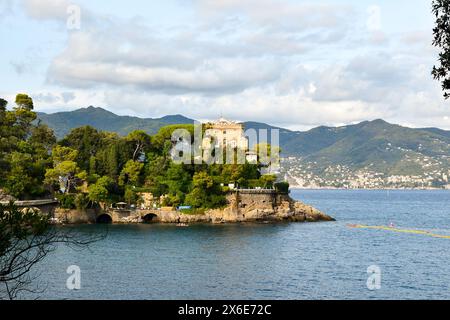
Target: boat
(182,225)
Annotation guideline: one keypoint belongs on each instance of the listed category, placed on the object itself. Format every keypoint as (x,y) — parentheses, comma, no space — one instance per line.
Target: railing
(31,203)
(256,191)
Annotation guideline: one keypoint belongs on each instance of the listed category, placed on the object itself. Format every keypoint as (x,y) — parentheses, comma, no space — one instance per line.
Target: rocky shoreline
(301,213)
(242,207)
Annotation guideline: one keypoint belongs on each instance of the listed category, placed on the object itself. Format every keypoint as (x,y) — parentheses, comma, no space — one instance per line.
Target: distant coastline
(370,189)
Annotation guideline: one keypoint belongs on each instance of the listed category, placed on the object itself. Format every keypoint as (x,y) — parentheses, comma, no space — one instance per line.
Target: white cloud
(276,15)
(60,100)
(96,59)
(306,65)
(124,53)
(47,9)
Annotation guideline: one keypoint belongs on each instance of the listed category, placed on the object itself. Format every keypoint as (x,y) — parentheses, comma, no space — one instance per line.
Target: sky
(292,63)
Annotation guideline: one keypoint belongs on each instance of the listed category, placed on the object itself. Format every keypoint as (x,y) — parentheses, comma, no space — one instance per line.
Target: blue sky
(296,64)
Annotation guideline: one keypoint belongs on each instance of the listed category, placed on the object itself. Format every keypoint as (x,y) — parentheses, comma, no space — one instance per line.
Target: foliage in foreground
(441,72)
(26,238)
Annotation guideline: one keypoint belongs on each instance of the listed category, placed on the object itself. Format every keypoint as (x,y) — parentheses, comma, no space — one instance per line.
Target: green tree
(206,193)
(24,149)
(3,104)
(113,154)
(99,192)
(42,138)
(139,140)
(65,171)
(60,154)
(130,195)
(267,181)
(130,173)
(3,138)
(88,141)
(282,187)
(92,165)
(23,101)
(24,115)
(441,71)
(19,181)
(163,138)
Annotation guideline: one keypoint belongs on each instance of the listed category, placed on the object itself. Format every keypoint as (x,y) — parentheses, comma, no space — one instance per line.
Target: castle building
(226,133)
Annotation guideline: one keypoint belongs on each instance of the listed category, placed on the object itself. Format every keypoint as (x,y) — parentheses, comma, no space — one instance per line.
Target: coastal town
(301,173)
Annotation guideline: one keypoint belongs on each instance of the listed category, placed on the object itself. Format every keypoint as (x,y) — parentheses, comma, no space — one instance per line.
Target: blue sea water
(271,261)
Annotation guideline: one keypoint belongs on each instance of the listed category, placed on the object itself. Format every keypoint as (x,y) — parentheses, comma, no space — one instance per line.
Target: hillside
(369,154)
(63,122)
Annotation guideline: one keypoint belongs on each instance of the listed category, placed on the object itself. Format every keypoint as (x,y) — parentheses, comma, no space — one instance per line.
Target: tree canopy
(24,149)
(441,71)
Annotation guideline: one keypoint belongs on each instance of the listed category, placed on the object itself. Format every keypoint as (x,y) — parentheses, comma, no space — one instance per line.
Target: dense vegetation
(441,72)
(89,167)
(25,149)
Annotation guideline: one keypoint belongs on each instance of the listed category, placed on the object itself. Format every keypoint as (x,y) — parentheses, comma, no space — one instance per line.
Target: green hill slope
(63,122)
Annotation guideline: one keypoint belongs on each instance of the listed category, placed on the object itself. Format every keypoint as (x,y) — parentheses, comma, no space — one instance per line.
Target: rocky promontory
(242,206)
(278,208)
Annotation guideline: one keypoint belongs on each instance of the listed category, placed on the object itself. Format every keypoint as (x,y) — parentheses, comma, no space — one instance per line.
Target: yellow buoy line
(393,229)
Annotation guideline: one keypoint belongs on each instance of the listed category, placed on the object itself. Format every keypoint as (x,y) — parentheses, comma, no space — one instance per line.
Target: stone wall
(247,200)
(75,216)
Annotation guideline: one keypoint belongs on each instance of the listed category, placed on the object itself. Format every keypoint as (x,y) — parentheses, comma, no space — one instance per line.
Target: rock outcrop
(243,206)
(271,207)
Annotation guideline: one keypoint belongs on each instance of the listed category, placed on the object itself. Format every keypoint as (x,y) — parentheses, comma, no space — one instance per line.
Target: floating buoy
(393,229)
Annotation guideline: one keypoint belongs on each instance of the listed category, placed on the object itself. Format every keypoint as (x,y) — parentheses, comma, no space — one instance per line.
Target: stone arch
(149,218)
(104,219)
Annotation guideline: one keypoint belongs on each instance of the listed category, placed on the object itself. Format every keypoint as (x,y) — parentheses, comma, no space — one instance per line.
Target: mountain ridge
(102,119)
(91,111)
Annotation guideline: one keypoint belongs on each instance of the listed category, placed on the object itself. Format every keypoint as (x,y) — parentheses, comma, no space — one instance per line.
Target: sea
(292,261)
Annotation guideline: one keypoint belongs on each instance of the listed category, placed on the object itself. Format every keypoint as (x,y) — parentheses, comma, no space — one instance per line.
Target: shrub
(66,201)
(282,187)
(82,201)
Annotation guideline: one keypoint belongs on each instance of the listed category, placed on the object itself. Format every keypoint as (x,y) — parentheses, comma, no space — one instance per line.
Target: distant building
(225,133)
